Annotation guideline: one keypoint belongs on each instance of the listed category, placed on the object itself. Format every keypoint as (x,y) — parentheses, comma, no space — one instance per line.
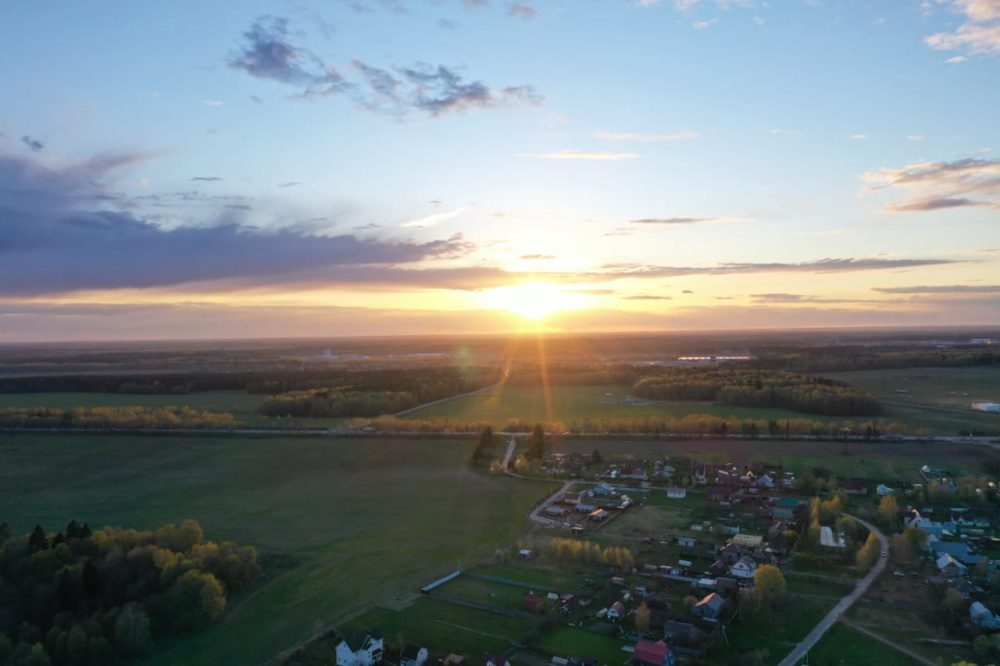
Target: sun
(532,300)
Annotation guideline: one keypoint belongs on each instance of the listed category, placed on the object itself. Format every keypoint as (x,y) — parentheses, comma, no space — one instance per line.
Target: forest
(87,597)
(759,388)
(332,403)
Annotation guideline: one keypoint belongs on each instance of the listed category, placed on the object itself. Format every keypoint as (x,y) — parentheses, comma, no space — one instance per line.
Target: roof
(956,549)
(747,562)
(947,560)
(410,652)
(719,490)
(357,640)
(749,540)
(853,484)
(713,601)
(493,660)
(789,502)
(618,607)
(651,653)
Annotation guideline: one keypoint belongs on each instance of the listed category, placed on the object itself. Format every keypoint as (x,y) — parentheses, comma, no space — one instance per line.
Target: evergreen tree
(38,540)
(536,443)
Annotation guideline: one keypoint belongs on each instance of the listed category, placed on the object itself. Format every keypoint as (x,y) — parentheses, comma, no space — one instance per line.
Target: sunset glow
(533,300)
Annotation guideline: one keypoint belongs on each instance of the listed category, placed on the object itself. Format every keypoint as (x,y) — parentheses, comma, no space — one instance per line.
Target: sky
(188,170)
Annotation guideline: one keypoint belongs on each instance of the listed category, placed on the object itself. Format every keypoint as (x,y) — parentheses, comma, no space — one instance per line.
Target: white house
(677,493)
(829,540)
(743,568)
(360,649)
(883,490)
(949,566)
(413,655)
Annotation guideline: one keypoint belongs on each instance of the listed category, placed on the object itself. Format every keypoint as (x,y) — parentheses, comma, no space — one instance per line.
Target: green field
(573,642)
(843,645)
(358,523)
(907,393)
(572,404)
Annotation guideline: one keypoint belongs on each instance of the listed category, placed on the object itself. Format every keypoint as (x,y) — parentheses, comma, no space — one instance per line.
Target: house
(724,585)
(532,603)
(570,498)
(883,490)
(682,633)
(582,507)
(765,481)
(685,542)
(556,511)
(599,515)
(413,655)
(638,473)
(854,487)
(677,493)
(788,503)
(986,406)
(360,649)
(745,568)
(751,541)
(949,566)
(719,493)
(653,654)
(617,611)
(781,513)
(525,554)
(731,553)
(710,607)
(958,550)
(493,660)
(829,540)
(982,616)
(699,472)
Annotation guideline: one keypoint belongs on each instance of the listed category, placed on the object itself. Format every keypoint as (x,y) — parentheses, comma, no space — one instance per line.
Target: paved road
(511,445)
(802,648)
(896,646)
(541,520)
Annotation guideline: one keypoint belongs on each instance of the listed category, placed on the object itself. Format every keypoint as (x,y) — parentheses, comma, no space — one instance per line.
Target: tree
(38,540)
(642,618)
(485,441)
(595,457)
(769,585)
(869,553)
(132,635)
(888,512)
(536,443)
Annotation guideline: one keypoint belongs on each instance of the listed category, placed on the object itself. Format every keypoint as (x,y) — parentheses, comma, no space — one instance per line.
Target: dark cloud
(945,289)
(256,99)
(35,145)
(522,10)
(616,271)
(670,220)
(57,235)
(206,179)
(798,298)
(931,203)
(268,53)
(537,257)
(687,291)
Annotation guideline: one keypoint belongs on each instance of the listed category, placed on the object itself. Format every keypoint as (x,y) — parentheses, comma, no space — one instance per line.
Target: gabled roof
(410,652)
(493,660)
(713,601)
(358,640)
(788,502)
(651,653)
(746,562)
(947,561)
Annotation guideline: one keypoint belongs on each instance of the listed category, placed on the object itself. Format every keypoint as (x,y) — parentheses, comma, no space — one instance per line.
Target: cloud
(688,220)
(291,183)
(212,102)
(859,136)
(844,265)
(583,155)
(915,137)
(701,25)
(267,52)
(687,291)
(207,179)
(537,257)
(939,184)
(956,60)
(64,230)
(930,204)
(476,4)
(945,289)
(522,10)
(445,24)
(776,298)
(979,34)
(647,297)
(634,136)
(433,219)
(35,145)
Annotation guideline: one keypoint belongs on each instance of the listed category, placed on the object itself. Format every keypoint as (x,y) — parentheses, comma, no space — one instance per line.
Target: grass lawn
(445,627)
(571,404)
(843,645)
(574,642)
(486,592)
(363,523)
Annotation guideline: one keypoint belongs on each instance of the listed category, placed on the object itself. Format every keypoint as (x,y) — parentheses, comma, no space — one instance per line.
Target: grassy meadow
(356,524)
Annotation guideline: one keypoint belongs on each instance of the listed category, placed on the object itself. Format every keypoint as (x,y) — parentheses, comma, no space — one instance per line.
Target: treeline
(847,358)
(761,389)
(423,382)
(122,418)
(320,403)
(700,425)
(575,374)
(92,597)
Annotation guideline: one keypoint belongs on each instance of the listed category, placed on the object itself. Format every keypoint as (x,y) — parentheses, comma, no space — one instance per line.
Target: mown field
(573,404)
(843,645)
(357,524)
(907,393)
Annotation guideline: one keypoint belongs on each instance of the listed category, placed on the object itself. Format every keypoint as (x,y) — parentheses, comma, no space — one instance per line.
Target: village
(656,561)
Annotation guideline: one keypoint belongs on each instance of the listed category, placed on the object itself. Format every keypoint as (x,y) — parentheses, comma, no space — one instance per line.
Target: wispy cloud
(268,53)
(942,289)
(583,155)
(35,145)
(636,136)
(521,10)
(979,34)
(941,184)
(212,102)
(667,221)
(647,297)
(433,219)
(206,179)
(537,257)
(859,136)
(915,137)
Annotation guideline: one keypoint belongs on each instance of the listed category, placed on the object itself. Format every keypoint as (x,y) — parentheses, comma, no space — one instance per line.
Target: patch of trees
(121,418)
(574,550)
(574,374)
(333,403)
(94,597)
(847,358)
(426,383)
(760,389)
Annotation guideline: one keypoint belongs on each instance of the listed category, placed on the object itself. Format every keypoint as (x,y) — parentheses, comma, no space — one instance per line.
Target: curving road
(803,648)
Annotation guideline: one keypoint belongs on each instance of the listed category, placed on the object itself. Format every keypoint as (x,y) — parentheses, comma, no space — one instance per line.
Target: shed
(532,603)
